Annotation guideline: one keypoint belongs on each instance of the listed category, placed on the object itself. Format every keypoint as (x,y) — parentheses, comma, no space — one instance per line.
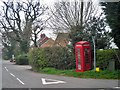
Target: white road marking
(117,87)
(12,74)
(6,68)
(20,81)
(52,81)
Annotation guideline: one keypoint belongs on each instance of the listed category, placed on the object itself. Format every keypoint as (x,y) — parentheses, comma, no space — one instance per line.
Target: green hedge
(56,57)
(106,56)
(6,58)
(22,59)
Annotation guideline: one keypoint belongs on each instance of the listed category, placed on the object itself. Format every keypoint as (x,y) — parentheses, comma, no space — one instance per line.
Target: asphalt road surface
(19,76)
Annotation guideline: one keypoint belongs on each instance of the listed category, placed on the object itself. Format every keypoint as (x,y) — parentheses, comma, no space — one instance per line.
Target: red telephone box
(83,56)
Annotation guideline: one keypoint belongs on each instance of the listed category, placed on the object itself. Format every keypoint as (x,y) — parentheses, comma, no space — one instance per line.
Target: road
(19,76)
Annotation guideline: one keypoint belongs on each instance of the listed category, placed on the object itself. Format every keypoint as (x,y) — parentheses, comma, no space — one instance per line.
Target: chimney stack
(42,35)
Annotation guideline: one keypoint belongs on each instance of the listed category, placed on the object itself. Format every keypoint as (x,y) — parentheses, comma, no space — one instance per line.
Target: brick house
(44,41)
(62,39)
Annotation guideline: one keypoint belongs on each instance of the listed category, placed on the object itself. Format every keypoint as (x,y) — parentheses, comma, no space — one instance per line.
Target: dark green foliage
(95,27)
(22,59)
(77,35)
(57,57)
(38,58)
(6,58)
(24,46)
(112,12)
(8,50)
(105,56)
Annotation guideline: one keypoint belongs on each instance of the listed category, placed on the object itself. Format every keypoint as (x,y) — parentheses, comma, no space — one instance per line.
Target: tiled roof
(45,41)
(62,39)
(42,43)
(48,43)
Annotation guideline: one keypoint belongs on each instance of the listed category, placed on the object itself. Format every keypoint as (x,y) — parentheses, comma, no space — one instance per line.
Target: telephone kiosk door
(87,59)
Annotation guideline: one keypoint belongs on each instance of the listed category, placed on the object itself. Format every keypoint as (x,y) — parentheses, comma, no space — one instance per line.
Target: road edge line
(20,81)
(12,74)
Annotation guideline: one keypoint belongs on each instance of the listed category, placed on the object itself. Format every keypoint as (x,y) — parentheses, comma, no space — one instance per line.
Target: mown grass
(87,74)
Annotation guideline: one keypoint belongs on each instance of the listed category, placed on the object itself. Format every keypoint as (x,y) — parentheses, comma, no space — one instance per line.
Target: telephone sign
(83,56)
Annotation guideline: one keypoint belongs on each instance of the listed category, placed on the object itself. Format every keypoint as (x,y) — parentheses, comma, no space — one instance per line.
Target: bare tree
(19,18)
(70,14)
(35,32)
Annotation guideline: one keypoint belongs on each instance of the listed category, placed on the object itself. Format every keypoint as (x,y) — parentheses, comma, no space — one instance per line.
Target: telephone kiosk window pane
(78,50)
(78,54)
(86,50)
(79,63)
(79,58)
(79,66)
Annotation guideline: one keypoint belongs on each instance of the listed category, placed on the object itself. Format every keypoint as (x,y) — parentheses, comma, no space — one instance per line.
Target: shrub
(56,57)
(105,56)
(6,58)
(62,58)
(38,58)
(22,59)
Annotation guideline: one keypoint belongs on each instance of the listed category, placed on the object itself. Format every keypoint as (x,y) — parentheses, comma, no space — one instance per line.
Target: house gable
(62,39)
(45,41)
(48,43)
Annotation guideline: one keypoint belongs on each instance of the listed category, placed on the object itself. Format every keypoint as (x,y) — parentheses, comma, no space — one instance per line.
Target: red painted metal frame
(82,45)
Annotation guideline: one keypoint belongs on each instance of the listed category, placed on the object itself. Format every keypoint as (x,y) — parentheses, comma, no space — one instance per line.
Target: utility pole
(93,38)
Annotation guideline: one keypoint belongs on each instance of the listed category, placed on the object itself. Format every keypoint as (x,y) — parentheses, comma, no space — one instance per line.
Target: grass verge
(87,74)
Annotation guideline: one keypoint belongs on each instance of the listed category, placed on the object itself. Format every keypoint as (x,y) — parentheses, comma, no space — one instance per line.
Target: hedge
(105,56)
(22,59)
(55,57)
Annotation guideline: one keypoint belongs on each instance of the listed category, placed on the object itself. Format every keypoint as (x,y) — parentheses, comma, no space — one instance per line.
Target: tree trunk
(35,44)
(81,21)
(35,41)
